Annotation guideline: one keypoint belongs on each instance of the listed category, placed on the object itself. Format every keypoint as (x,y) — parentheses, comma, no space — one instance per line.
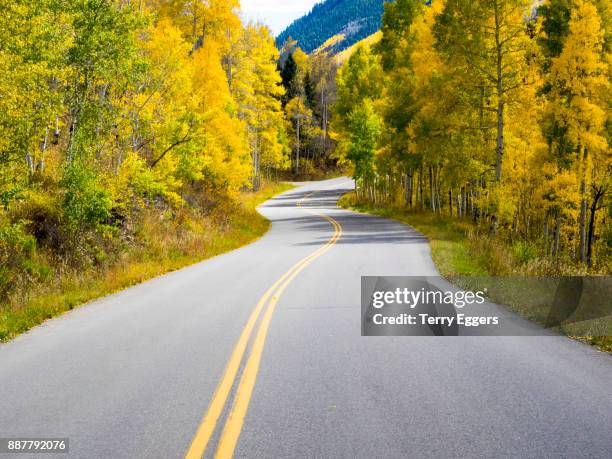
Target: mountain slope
(355,19)
(344,56)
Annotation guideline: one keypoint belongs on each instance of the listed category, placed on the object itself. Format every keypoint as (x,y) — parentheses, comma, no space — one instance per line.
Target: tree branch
(171,147)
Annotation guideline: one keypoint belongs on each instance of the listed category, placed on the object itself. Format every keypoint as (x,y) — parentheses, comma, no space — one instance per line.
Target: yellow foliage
(426,61)
(579,77)
(344,55)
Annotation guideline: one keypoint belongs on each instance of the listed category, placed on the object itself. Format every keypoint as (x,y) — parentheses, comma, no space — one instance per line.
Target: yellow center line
(209,422)
(233,426)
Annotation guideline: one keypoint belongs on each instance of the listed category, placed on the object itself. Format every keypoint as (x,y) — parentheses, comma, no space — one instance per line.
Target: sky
(276,14)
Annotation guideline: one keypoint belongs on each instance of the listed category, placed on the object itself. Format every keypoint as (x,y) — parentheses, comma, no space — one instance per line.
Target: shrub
(524,252)
(42,218)
(15,241)
(16,245)
(85,202)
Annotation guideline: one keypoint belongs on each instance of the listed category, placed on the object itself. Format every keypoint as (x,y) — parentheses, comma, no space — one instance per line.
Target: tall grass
(458,249)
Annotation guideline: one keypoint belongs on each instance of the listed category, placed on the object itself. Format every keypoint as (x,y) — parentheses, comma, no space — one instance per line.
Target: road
(158,371)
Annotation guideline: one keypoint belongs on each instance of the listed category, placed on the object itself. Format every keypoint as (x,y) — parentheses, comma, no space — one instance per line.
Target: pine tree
(288,75)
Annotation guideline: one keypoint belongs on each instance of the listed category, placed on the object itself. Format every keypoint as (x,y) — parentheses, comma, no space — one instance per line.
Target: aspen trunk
(546,235)
(582,228)
(432,197)
(583,208)
(557,235)
(420,190)
(500,97)
(599,193)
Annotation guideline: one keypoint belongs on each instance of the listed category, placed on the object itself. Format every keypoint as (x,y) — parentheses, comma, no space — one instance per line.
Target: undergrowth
(44,284)
(460,249)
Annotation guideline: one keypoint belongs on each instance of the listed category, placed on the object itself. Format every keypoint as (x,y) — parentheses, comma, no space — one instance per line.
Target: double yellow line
(233,425)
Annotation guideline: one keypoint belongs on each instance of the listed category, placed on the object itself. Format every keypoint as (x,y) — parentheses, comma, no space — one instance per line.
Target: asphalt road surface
(183,364)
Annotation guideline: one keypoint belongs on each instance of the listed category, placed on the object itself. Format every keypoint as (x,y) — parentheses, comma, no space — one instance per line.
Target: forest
(494,113)
(133,137)
(138,137)
(354,19)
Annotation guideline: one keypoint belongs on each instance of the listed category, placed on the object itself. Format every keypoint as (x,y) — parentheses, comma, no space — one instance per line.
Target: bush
(85,202)
(16,245)
(524,252)
(15,241)
(42,219)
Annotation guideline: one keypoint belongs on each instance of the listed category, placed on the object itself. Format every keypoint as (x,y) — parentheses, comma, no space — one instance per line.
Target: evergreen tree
(288,75)
(353,19)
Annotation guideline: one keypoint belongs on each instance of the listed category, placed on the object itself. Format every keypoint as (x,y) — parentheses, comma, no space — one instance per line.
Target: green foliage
(364,127)
(555,17)
(16,247)
(288,74)
(86,202)
(102,61)
(15,240)
(37,271)
(524,252)
(359,79)
(7,196)
(397,19)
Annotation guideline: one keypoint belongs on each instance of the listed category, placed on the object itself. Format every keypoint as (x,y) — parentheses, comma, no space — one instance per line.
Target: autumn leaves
(492,110)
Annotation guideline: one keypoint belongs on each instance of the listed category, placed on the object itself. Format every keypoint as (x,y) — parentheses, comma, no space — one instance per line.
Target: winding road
(259,353)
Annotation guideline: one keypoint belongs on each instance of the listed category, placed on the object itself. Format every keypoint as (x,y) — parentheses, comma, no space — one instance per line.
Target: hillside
(354,19)
(344,55)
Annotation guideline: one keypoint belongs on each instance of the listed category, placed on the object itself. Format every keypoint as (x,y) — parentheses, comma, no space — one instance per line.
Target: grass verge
(166,245)
(459,253)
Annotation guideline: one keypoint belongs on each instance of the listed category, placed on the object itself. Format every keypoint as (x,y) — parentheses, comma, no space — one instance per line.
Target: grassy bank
(460,252)
(162,243)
